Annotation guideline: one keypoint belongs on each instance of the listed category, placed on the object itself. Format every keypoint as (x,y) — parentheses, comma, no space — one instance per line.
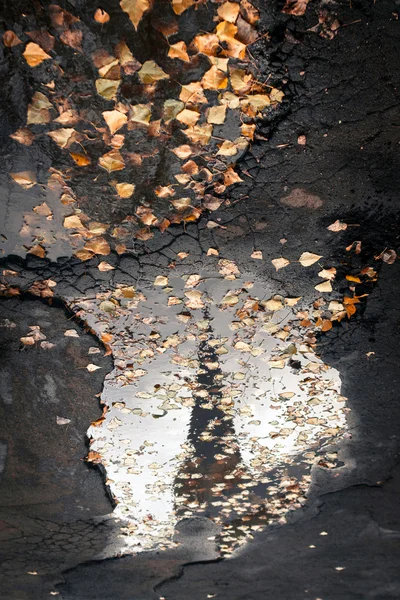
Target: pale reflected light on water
(216,406)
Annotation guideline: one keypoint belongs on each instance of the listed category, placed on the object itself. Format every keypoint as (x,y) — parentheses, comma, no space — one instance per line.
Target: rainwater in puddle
(216,407)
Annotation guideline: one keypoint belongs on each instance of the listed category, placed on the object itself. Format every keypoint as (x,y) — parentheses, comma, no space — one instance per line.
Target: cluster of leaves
(146,118)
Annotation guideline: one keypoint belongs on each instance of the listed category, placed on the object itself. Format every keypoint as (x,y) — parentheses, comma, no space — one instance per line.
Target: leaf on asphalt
(296,8)
(337,226)
(91,367)
(23,136)
(112,161)
(114,119)
(62,421)
(151,72)
(82,160)
(181,203)
(178,50)
(179,6)
(98,246)
(135,9)
(107,88)
(217,115)
(280,263)
(325,286)
(199,134)
(229,148)
(214,79)
(104,266)
(10,39)
(257,254)
(71,333)
(65,137)
(125,190)
(72,222)
(228,267)
(308,258)
(193,93)
(38,109)
(34,54)
(328,273)
(231,177)
(101,16)
(188,117)
(25,179)
(161,280)
(229,11)
(171,109)
(193,299)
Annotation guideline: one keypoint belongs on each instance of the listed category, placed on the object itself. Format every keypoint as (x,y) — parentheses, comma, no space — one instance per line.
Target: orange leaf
(81,159)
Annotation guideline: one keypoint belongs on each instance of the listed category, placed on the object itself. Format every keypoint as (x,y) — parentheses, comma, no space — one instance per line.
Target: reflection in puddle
(217,406)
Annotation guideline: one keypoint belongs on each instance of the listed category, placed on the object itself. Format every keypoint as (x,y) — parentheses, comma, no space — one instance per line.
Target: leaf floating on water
(25,179)
(194,300)
(308,258)
(135,9)
(34,55)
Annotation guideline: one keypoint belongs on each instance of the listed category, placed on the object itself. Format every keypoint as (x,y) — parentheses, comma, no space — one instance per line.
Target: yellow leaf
(125,190)
(112,161)
(217,114)
(229,11)
(292,301)
(25,179)
(207,44)
(280,263)
(34,55)
(188,117)
(98,246)
(307,259)
(107,88)
(183,151)
(179,6)
(151,72)
(193,93)
(230,177)
(64,137)
(325,286)
(171,109)
(179,50)
(276,95)
(38,109)
(352,278)
(214,79)
(114,119)
(83,254)
(161,280)
(72,222)
(229,148)
(81,159)
(328,273)
(135,9)
(257,101)
(140,113)
(199,134)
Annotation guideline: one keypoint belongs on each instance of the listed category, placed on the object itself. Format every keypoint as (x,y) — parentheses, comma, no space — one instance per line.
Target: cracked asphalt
(57,533)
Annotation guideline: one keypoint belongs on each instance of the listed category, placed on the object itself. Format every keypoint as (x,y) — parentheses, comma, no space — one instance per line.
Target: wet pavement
(199,326)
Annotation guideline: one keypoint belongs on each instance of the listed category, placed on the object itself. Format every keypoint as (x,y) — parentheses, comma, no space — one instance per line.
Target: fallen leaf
(171,109)
(135,9)
(112,161)
(257,254)
(200,134)
(114,119)
(72,222)
(71,333)
(389,256)
(229,148)
(328,273)
(23,136)
(325,286)
(229,11)
(10,39)
(214,79)
(161,280)
(179,6)
(82,160)
(25,179)
(337,226)
(34,55)
(125,190)
(353,278)
(38,250)
(104,266)
(280,263)
(194,300)
(27,341)
(217,115)
(295,7)
(207,44)
(38,112)
(98,246)
(64,137)
(151,72)
(62,421)
(101,16)
(178,50)
(228,267)
(308,258)
(72,38)
(183,151)
(181,203)
(188,117)
(107,88)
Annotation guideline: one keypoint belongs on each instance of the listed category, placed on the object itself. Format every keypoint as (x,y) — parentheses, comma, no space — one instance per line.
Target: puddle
(216,407)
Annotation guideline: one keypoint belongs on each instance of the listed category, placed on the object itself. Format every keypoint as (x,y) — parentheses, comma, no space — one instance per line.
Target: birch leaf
(179,50)
(308,258)
(25,179)
(151,72)
(135,9)
(34,55)
(114,119)
(280,263)
(112,161)
(325,286)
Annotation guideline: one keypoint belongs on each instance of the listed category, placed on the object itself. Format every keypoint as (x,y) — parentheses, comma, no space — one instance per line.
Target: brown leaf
(98,246)
(10,39)
(38,109)
(188,117)
(337,226)
(72,222)
(72,38)
(43,38)
(217,114)
(295,7)
(23,136)
(200,134)
(230,177)
(249,12)
(280,263)
(34,55)
(37,250)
